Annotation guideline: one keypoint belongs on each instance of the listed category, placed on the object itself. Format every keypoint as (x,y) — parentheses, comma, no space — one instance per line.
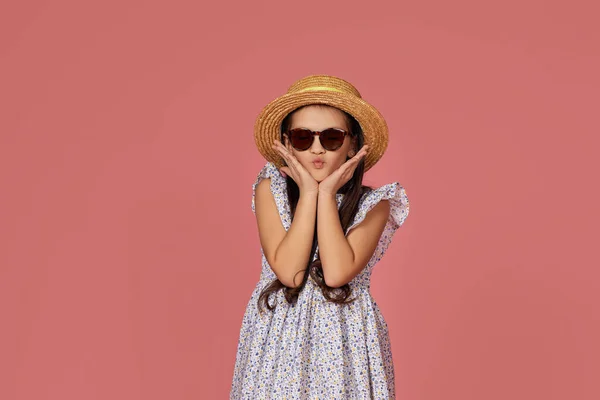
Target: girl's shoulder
(278,186)
(393,192)
(269,170)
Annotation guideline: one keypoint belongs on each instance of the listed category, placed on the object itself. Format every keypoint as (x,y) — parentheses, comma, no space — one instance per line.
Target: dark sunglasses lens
(332,139)
(301,138)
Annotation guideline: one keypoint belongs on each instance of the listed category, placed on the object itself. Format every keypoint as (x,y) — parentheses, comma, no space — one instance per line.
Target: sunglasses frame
(289,132)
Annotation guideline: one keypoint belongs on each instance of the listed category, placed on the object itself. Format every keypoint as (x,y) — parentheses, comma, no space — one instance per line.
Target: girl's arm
(287,252)
(344,257)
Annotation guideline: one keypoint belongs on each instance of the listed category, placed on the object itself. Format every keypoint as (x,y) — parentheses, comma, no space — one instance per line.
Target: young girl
(311,329)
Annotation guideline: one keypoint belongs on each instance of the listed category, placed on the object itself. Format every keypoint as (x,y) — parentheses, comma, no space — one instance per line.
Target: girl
(311,329)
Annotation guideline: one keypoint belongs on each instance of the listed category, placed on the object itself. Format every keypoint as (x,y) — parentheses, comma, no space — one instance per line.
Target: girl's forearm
(293,252)
(334,250)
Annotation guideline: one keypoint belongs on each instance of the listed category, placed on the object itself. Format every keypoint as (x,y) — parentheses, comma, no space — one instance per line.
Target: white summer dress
(316,349)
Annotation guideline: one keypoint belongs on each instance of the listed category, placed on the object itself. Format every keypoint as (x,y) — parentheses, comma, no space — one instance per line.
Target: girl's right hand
(306,183)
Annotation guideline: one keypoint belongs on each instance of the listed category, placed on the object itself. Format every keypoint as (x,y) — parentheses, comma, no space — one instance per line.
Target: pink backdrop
(128,249)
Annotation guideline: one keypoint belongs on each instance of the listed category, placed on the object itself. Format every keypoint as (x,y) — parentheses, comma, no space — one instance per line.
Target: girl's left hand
(340,176)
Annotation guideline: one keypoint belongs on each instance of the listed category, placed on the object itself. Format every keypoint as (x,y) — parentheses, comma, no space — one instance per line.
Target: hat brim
(267,128)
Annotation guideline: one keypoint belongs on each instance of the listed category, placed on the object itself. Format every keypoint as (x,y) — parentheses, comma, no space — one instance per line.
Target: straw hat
(321,89)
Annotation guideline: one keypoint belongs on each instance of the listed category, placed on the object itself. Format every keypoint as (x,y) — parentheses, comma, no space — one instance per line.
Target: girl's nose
(316,146)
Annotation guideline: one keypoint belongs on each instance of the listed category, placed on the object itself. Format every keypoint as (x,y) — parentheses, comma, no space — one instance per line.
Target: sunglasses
(331,139)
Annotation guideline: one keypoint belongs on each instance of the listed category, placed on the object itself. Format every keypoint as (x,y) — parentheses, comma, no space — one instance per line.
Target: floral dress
(316,349)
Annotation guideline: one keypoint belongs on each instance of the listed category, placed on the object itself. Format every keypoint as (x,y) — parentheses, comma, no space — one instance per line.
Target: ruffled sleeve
(279,190)
(399,207)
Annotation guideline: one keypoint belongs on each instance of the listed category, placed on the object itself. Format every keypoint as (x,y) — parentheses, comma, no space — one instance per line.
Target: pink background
(128,249)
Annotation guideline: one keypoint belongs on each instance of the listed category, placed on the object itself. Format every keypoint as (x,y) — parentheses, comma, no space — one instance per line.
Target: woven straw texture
(328,90)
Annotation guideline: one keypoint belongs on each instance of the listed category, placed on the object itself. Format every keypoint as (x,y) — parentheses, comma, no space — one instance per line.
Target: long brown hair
(353,190)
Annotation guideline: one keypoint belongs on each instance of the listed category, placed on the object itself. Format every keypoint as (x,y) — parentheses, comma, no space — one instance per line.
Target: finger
(294,163)
(351,165)
(277,145)
(289,155)
(356,159)
(281,150)
(360,155)
(291,161)
(363,151)
(288,146)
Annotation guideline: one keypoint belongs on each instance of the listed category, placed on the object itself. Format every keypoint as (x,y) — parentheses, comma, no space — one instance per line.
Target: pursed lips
(318,163)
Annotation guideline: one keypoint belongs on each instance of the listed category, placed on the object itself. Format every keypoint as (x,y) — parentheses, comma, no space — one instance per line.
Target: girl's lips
(318,164)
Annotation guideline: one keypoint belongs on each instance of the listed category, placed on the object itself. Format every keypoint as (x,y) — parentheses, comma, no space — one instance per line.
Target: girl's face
(319,118)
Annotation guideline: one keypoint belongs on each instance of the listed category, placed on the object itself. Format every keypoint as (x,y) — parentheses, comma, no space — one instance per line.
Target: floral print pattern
(316,349)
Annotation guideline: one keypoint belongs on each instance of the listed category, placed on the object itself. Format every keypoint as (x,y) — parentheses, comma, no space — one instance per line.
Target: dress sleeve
(399,207)
(279,190)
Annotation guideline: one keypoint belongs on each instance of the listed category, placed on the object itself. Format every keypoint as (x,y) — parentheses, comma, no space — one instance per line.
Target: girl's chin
(319,175)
